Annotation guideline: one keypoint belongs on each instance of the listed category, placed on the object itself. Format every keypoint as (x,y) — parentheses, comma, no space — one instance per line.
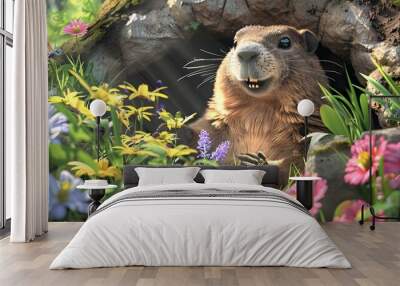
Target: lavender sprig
(221,151)
(204,144)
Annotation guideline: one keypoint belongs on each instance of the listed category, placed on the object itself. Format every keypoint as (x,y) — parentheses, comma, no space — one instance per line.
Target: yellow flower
(110,96)
(140,136)
(129,150)
(167,137)
(73,99)
(105,170)
(143,92)
(82,169)
(123,117)
(180,151)
(140,113)
(174,121)
(102,170)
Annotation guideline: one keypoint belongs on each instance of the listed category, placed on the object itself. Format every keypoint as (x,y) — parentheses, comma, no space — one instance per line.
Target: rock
(106,64)
(388,56)
(145,37)
(361,62)
(388,113)
(345,25)
(306,14)
(327,159)
(142,32)
(392,135)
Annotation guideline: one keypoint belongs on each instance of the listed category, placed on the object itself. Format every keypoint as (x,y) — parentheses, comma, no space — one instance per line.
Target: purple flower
(204,144)
(57,124)
(221,151)
(160,107)
(64,196)
(159,83)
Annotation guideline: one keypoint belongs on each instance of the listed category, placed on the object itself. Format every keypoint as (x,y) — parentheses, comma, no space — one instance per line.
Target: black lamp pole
(98,137)
(305,137)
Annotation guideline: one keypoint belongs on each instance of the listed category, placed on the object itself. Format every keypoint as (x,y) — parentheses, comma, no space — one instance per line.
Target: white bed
(206,230)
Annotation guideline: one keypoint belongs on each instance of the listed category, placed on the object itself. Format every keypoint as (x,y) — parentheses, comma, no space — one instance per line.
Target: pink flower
(349,211)
(357,168)
(76,28)
(392,158)
(319,190)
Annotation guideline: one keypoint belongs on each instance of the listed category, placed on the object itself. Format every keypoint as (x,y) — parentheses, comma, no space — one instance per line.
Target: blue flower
(221,151)
(64,196)
(57,124)
(204,144)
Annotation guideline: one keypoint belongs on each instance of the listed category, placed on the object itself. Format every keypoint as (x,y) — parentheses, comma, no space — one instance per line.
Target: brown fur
(270,123)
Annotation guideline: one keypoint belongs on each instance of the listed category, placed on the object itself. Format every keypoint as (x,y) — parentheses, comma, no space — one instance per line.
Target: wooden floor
(375,257)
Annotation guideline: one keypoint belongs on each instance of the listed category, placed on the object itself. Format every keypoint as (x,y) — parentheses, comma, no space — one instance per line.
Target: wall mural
(218,82)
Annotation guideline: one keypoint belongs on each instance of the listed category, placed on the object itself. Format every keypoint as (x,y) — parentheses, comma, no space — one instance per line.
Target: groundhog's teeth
(256,85)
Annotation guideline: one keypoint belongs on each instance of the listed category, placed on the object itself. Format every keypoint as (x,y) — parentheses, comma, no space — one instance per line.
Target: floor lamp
(371,199)
(98,108)
(305,108)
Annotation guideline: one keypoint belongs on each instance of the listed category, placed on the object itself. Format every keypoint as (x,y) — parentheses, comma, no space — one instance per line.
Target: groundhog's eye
(284,43)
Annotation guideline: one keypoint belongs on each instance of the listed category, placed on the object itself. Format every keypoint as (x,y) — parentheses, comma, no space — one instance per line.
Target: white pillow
(166,176)
(247,177)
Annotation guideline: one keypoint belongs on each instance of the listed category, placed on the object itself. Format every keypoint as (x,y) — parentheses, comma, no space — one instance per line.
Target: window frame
(6,39)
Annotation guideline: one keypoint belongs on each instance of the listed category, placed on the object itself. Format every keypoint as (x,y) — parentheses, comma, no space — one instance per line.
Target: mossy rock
(328,158)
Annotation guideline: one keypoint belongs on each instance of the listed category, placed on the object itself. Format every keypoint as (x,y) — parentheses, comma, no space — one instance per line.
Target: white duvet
(200,231)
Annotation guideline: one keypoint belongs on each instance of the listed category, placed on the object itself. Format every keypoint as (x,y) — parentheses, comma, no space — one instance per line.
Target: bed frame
(270,179)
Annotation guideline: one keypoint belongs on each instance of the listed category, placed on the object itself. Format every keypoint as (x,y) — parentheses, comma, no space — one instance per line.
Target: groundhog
(257,88)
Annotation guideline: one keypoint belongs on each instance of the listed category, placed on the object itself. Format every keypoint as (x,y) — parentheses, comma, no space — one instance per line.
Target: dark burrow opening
(186,95)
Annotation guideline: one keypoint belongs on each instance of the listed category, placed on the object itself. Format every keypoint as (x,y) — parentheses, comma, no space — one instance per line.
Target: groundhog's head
(263,58)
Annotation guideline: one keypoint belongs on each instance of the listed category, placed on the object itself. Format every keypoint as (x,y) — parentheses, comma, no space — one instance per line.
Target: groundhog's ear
(311,41)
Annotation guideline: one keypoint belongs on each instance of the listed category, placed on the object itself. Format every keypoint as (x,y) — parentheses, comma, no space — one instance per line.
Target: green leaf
(332,121)
(78,134)
(84,157)
(364,110)
(57,156)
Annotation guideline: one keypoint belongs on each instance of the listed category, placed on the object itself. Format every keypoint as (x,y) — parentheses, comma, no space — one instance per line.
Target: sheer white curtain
(26,124)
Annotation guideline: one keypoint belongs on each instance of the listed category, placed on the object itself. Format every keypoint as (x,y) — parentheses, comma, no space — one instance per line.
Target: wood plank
(375,257)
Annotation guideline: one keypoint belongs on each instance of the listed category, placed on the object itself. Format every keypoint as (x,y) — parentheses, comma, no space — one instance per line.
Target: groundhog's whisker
(327,71)
(204,60)
(199,67)
(300,59)
(211,53)
(201,72)
(208,79)
(327,61)
(207,74)
(300,73)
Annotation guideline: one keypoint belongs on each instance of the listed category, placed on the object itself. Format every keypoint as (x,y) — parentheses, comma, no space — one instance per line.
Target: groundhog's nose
(248,53)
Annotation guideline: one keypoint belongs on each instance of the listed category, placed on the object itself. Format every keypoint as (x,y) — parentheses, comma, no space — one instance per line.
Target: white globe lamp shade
(305,107)
(98,107)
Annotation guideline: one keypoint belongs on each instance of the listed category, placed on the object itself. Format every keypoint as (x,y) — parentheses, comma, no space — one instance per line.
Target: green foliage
(347,116)
(396,3)
(61,13)
(72,87)
(389,106)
